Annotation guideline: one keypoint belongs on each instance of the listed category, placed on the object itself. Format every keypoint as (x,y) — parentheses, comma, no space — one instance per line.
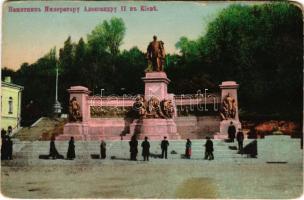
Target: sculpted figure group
(74,110)
(153,108)
(228,110)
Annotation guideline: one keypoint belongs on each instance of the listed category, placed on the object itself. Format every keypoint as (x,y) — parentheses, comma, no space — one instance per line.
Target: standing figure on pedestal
(71,149)
(133,148)
(74,110)
(156,55)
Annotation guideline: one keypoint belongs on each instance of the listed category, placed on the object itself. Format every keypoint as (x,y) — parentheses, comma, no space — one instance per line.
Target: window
(10,105)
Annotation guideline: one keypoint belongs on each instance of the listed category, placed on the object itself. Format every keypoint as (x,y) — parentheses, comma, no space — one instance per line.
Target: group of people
(54,154)
(6,144)
(208,149)
(71,155)
(146,148)
(164,149)
(239,136)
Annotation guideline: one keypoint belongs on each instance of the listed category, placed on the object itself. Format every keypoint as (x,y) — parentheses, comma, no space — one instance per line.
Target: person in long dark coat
(164,147)
(240,139)
(133,148)
(9,148)
(3,133)
(53,151)
(4,147)
(145,149)
(103,149)
(231,132)
(71,149)
(188,149)
(209,149)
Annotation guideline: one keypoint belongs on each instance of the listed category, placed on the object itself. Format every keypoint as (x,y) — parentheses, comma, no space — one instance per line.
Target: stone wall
(187,127)
(197,127)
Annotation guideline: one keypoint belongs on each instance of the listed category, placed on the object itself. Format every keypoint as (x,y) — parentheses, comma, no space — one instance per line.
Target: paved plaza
(230,175)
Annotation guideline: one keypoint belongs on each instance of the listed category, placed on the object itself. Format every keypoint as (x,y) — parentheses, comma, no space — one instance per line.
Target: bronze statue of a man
(156,55)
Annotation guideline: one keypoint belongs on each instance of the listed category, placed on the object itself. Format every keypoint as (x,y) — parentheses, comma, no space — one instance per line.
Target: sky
(27,36)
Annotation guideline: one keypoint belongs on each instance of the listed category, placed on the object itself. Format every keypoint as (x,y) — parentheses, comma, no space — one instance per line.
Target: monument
(156,109)
(154,114)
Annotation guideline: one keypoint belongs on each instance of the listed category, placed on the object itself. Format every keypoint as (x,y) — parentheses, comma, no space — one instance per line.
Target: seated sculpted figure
(168,108)
(139,106)
(74,110)
(154,109)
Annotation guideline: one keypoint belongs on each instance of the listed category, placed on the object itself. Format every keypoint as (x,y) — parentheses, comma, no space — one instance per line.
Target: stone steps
(84,150)
(44,125)
(27,153)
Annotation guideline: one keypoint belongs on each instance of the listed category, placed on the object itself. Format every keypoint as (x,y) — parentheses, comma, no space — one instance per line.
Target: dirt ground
(128,179)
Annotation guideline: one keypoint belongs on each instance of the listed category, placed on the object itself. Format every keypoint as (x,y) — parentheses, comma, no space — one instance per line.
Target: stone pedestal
(79,130)
(223,134)
(155,129)
(156,85)
(231,88)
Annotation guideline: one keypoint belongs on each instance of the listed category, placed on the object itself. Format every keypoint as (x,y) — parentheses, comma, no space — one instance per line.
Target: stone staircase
(42,129)
(27,153)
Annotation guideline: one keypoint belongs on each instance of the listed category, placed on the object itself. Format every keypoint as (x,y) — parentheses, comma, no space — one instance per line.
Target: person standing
(164,147)
(145,149)
(103,149)
(240,139)
(188,149)
(209,149)
(3,134)
(231,132)
(53,151)
(71,149)
(9,130)
(9,148)
(133,148)
(4,147)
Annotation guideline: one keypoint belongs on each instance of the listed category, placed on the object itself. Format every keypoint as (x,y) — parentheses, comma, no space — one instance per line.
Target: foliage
(258,46)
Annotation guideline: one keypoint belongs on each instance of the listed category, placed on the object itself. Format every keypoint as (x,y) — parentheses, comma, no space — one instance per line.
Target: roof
(12,85)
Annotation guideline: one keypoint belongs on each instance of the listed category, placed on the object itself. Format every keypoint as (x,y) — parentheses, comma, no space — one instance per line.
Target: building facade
(10,104)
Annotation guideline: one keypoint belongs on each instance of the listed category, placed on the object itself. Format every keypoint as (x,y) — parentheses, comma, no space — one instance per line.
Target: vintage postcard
(152,99)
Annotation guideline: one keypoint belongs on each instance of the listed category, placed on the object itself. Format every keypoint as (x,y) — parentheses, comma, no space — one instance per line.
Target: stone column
(78,130)
(81,93)
(230,87)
